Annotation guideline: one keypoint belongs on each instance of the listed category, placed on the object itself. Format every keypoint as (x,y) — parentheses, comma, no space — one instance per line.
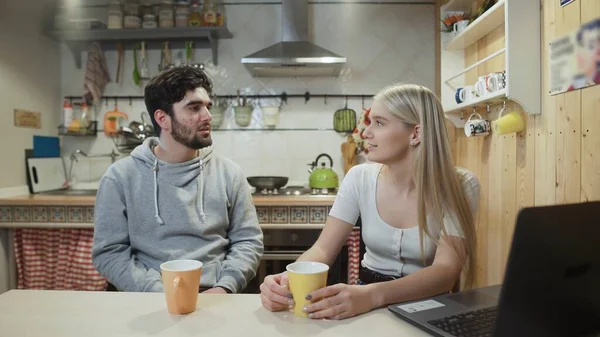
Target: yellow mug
(181,280)
(509,123)
(304,278)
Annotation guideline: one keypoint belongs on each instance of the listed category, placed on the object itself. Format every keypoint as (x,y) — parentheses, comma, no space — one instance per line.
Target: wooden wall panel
(590,123)
(544,126)
(555,160)
(568,121)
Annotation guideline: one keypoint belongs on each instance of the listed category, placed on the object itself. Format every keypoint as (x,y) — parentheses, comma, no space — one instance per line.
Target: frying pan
(267,182)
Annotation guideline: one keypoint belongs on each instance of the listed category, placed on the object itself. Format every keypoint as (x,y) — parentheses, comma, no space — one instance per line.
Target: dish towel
(96,74)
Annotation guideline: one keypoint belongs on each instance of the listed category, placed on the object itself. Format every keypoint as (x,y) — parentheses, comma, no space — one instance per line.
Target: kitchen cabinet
(48,221)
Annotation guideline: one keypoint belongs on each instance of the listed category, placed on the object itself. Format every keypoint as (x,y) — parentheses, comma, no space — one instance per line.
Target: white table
(109,314)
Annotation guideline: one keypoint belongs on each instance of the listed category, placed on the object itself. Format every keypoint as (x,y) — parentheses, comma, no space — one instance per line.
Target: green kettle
(322,177)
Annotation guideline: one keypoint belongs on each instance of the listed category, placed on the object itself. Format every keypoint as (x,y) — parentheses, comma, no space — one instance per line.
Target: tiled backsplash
(384,44)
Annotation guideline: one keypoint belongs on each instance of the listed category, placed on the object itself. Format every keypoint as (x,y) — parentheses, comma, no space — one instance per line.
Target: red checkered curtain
(353,243)
(56,259)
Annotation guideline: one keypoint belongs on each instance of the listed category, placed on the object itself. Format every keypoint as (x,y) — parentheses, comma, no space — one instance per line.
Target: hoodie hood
(180,174)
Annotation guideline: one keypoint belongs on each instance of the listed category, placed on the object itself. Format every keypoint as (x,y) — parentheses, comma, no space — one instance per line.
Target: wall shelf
(78,40)
(457,5)
(521,21)
(483,25)
(275,129)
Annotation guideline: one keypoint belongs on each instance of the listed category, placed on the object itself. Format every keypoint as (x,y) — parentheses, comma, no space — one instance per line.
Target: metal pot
(322,177)
(267,182)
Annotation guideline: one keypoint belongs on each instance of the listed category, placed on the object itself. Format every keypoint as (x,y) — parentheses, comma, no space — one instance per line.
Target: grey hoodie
(148,212)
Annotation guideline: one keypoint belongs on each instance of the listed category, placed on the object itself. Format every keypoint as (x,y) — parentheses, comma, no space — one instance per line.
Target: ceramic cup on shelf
(460,26)
(464,94)
(477,127)
(181,280)
(480,87)
(304,278)
(495,81)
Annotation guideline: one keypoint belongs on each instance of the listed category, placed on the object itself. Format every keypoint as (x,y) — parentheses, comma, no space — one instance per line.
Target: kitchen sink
(71,192)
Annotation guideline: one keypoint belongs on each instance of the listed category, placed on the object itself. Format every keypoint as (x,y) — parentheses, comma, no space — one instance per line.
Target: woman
(402,198)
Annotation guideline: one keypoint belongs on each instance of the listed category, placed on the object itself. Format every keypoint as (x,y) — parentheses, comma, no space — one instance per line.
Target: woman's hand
(340,301)
(275,294)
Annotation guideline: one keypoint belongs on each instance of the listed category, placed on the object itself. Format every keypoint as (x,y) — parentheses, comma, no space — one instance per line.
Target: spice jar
(165,15)
(115,15)
(131,14)
(182,13)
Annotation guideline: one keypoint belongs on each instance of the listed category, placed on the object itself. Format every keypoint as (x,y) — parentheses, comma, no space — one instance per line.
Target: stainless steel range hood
(294,55)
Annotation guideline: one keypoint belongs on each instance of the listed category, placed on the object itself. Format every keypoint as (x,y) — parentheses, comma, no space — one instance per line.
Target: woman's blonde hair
(439,191)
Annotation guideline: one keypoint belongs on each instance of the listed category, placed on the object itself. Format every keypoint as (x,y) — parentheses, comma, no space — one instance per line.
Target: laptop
(551,286)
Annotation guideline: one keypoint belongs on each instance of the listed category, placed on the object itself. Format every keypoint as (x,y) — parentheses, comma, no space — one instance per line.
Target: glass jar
(147,8)
(165,15)
(149,21)
(182,13)
(195,19)
(131,14)
(209,18)
(115,15)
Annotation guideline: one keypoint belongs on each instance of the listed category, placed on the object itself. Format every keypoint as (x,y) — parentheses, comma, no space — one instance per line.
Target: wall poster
(574,59)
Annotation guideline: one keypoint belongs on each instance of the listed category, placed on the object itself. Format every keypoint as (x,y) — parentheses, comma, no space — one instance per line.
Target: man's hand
(215,290)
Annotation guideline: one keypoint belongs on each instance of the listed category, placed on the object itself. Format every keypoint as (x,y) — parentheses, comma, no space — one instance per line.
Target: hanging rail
(283,96)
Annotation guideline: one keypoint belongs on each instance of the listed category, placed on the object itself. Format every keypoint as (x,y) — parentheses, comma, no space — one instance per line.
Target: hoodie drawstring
(201,190)
(156,214)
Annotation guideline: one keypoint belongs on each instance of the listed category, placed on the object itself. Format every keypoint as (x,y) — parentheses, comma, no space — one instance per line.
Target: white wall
(29,78)
(384,43)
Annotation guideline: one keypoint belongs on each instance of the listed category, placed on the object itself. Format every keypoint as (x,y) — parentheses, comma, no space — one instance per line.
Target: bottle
(85,118)
(68,113)
(210,14)
(195,19)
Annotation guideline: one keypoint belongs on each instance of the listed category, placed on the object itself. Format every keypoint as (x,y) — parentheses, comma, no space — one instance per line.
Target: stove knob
(294,237)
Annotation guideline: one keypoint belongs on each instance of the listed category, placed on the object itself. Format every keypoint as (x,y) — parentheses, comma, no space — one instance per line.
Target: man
(173,199)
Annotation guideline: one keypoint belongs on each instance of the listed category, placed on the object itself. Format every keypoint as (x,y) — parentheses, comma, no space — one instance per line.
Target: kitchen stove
(296,190)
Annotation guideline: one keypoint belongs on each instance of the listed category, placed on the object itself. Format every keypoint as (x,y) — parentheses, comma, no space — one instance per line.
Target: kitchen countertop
(80,313)
(78,200)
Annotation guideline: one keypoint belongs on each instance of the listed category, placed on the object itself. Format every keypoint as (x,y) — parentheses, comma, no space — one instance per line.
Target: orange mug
(181,280)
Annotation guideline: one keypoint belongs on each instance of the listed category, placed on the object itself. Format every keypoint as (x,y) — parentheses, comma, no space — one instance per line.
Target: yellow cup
(304,278)
(181,280)
(509,123)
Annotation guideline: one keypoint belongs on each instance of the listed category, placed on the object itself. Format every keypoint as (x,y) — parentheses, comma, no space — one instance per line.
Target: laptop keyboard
(469,324)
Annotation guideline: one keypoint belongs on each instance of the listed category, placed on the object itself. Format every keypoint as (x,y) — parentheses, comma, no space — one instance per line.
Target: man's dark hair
(171,86)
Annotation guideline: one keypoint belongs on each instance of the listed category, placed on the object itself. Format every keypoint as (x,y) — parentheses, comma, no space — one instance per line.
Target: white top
(391,250)
(119,314)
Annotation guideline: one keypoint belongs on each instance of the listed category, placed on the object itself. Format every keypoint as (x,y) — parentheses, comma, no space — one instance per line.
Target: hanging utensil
(136,73)
(120,51)
(344,120)
(144,71)
(167,57)
(188,52)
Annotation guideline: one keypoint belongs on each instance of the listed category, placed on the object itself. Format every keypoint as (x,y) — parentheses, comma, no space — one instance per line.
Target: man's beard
(180,134)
